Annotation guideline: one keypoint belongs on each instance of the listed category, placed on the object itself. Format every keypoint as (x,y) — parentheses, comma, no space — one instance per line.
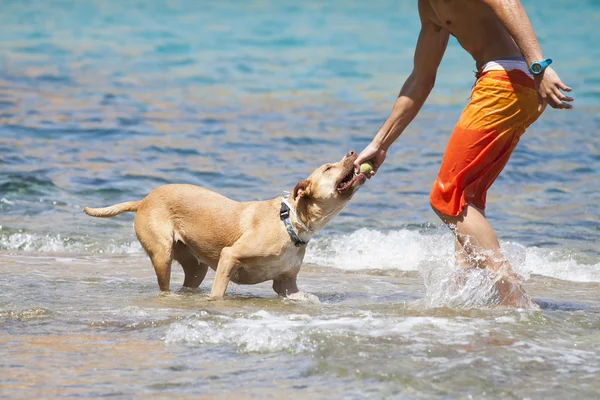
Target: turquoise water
(102,101)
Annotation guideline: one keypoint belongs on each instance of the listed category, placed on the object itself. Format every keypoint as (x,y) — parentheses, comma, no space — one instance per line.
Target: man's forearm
(409,102)
(516,22)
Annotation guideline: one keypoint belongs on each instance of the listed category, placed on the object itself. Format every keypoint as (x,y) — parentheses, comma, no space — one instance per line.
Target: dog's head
(326,191)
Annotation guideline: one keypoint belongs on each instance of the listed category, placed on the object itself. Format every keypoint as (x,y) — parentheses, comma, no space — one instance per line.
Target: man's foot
(511,293)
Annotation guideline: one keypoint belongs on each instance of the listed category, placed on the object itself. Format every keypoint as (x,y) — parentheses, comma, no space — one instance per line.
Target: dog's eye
(327,168)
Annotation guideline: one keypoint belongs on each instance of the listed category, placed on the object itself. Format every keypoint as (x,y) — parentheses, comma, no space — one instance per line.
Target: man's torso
(474,25)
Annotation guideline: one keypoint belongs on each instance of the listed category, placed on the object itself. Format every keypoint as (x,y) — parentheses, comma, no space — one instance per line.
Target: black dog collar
(284,215)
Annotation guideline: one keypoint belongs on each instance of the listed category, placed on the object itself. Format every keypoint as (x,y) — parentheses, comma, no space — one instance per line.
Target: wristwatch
(538,67)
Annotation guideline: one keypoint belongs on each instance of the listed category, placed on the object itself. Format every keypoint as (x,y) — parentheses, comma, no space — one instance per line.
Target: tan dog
(246,243)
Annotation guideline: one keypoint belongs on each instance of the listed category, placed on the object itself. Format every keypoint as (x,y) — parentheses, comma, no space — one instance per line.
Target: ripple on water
(27,184)
(25,315)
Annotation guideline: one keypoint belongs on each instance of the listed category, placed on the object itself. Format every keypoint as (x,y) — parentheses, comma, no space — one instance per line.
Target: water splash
(372,249)
(304,297)
(259,332)
(57,243)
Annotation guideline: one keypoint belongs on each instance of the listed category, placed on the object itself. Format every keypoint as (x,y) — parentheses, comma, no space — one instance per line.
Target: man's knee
(446,217)
(438,202)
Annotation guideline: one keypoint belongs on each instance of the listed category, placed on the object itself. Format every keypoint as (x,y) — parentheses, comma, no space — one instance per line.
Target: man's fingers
(561,96)
(562,99)
(564,104)
(564,87)
(557,101)
(552,92)
(359,160)
(554,101)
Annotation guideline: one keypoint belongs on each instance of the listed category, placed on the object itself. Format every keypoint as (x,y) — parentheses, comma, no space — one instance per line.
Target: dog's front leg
(228,262)
(285,286)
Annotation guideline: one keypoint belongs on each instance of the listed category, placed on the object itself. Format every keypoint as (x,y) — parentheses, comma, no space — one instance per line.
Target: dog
(244,242)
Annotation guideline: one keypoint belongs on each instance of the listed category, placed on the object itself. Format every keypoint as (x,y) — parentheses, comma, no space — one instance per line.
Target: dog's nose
(350,154)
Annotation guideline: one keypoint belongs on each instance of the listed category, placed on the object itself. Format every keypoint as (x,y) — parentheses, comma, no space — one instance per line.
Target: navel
(448,22)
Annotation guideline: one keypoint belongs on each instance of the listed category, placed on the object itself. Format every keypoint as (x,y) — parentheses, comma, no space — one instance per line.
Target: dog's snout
(351,154)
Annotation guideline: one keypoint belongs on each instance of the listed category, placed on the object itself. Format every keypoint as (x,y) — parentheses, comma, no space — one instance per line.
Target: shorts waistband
(506,64)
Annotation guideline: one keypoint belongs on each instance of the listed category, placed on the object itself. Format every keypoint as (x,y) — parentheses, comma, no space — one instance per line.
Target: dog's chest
(262,269)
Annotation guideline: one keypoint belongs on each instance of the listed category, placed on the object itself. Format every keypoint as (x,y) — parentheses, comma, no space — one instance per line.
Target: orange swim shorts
(503,104)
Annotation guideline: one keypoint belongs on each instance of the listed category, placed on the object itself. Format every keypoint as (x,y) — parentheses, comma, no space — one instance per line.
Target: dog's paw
(188,291)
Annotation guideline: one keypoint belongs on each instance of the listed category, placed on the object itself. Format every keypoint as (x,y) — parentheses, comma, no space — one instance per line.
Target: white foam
(265,332)
(304,297)
(563,355)
(404,250)
(122,248)
(32,242)
(372,249)
(446,285)
(260,332)
(549,263)
(414,251)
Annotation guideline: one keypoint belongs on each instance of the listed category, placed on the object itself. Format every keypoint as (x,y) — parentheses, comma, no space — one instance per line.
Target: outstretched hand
(549,88)
(372,153)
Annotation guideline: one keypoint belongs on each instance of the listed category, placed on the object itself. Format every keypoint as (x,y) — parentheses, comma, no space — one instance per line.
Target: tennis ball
(366,168)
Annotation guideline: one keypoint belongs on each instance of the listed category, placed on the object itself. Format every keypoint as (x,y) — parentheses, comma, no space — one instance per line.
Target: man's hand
(373,153)
(549,88)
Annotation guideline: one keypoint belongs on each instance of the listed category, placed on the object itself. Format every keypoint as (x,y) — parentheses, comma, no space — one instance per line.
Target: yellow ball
(366,168)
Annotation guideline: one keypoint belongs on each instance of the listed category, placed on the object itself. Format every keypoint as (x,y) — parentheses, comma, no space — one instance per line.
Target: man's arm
(515,20)
(429,51)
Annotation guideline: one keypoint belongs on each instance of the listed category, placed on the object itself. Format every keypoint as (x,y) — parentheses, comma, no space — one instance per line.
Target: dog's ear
(302,189)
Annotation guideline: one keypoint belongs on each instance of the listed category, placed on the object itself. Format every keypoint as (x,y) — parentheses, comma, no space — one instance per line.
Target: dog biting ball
(366,168)
(177,222)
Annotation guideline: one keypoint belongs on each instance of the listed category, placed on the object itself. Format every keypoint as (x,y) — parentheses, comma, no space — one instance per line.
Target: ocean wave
(21,184)
(260,333)
(445,346)
(264,332)
(364,249)
(372,249)
(409,250)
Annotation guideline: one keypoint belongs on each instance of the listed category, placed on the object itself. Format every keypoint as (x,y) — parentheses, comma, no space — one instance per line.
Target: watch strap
(542,66)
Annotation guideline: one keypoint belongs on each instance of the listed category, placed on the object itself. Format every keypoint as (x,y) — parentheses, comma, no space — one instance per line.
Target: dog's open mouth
(348,180)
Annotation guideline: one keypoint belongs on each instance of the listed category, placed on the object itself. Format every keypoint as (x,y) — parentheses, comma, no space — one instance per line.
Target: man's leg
(476,239)
(502,105)
(463,260)
(478,246)
(460,255)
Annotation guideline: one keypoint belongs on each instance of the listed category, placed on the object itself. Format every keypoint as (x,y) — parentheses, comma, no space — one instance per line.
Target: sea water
(102,101)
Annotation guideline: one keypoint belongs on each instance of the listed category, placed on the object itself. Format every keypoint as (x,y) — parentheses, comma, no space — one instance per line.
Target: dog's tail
(113,210)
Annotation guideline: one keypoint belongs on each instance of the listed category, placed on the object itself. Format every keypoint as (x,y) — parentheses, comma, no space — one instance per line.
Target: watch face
(536,68)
